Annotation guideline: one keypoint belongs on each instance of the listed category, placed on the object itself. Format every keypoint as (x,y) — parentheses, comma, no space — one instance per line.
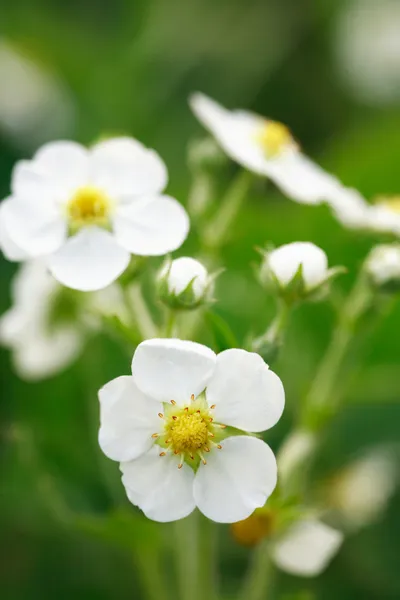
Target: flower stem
(186,544)
(170,325)
(269,344)
(257,585)
(216,232)
(137,307)
(322,399)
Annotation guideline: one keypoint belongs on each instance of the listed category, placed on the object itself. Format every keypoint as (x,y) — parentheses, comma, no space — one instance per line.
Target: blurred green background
(128,67)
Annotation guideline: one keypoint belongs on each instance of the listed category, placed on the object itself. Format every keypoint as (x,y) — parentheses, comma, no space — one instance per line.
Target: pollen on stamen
(173,402)
(174,417)
(161,415)
(180,465)
(213,406)
(162,453)
(219,446)
(154,435)
(206,449)
(192,397)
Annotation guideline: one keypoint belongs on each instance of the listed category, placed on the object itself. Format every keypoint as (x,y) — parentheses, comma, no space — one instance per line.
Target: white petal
(162,491)
(246,393)
(35,184)
(285,261)
(307,548)
(169,369)
(236,479)
(128,420)
(65,162)
(10,250)
(151,226)
(36,228)
(349,207)
(301,179)
(89,261)
(123,166)
(43,355)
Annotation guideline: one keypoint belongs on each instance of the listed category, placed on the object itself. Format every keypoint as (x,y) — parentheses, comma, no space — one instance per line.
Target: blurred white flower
(168,425)
(367,45)
(185,283)
(306,548)
(47,325)
(35,105)
(267,148)
(362,490)
(87,211)
(383,265)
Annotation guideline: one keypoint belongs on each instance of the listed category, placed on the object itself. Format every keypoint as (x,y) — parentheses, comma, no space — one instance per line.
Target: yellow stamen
(89,206)
(273,137)
(390,202)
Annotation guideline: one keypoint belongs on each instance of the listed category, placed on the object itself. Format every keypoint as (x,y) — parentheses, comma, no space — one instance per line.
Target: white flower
(265,147)
(307,548)
(368,49)
(383,264)
(362,490)
(299,261)
(48,324)
(87,211)
(168,426)
(184,282)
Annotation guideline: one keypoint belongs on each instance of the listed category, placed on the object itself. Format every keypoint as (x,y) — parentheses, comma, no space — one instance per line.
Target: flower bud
(297,271)
(185,283)
(383,267)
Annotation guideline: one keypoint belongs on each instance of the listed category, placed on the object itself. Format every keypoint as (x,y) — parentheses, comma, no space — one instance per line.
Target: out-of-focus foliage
(128,67)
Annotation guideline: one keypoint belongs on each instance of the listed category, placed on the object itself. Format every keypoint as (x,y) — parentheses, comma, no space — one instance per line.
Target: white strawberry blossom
(169,426)
(267,148)
(88,210)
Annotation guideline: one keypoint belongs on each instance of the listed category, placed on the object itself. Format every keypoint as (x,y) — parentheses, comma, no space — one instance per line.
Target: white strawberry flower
(88,210)
(383,266)
(47,325)
(307,547)
(169,425)
(267,148)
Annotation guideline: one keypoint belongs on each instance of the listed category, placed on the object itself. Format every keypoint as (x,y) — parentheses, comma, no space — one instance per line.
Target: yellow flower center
(273,137)
(189,431)
(390,202)
(89,206)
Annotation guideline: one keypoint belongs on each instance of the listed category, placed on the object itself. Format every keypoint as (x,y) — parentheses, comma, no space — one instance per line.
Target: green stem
(269,344)
(170,325)
(257,585)
(150,570)
(322,400)
(139,311)
(208,559)
(217,231)
(186,544)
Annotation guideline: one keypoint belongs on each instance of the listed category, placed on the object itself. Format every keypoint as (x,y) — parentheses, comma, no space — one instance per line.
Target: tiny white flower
(87,211)
(383,265)
(168,426)
(362,490)
(47,325)
(307,548)
(185,283)
(265,147)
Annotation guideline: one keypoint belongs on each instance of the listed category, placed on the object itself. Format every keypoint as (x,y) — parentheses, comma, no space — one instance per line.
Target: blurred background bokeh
(330,69)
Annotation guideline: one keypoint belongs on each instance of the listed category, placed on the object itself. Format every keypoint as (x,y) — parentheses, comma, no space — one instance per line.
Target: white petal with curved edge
(65,162)
(10,250)
(43,355)
(33,183)
(170,369)
(89,261)
(123,167)
(151,226)
(285,261)
(161,490)
(307,548)
(236,479)
(35,228)
(128,420)
(246,393)
(301,179)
